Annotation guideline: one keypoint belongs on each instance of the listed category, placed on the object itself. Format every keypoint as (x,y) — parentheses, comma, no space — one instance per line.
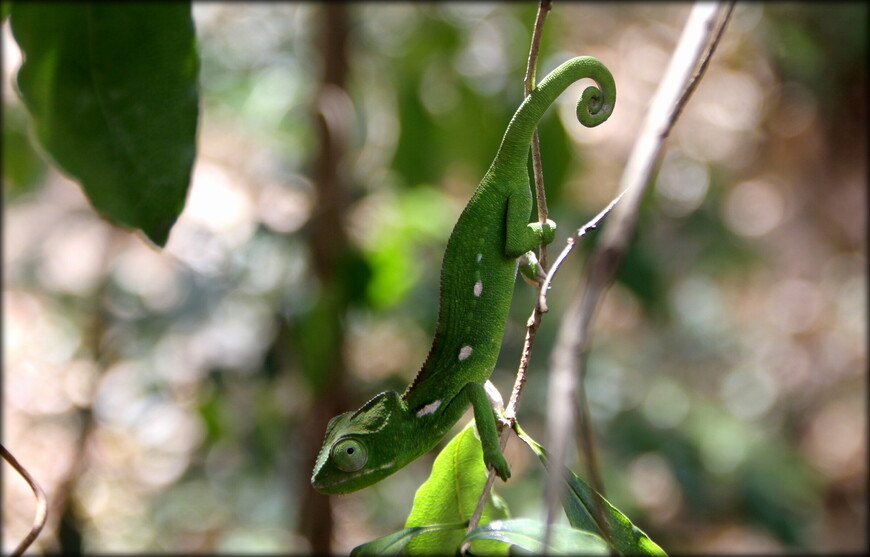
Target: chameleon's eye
(349,455)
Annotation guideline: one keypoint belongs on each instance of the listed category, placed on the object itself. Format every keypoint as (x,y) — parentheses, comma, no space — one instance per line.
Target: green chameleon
(477,281)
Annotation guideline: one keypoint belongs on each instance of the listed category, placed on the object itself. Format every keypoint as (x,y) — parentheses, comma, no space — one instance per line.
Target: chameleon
(477,280)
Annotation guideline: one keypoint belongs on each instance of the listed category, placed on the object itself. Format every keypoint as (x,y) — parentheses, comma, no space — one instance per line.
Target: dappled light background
(162,398)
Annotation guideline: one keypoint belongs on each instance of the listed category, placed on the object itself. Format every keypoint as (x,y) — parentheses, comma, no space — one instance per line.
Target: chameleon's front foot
(545,231)
(530,269)
(485,420)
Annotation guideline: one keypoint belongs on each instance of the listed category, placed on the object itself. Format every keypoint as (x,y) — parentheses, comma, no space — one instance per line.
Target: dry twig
(41,502)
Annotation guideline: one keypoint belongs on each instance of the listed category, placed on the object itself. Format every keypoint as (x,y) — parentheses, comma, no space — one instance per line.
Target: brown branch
(41,502)
(544,8)
(569,356)
(534,320)
(529,84)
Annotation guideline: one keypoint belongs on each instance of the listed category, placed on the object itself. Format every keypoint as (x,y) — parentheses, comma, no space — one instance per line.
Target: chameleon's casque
(477,282)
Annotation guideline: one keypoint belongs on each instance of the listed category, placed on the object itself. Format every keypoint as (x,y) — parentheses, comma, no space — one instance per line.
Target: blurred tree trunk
(63,512)
(320,336)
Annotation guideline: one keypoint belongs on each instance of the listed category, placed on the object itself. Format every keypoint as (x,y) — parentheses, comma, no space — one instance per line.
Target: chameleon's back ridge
(473,310)
(477,281)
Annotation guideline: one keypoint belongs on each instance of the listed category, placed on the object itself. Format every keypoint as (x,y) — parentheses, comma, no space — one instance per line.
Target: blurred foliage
(801,38)
(161,397)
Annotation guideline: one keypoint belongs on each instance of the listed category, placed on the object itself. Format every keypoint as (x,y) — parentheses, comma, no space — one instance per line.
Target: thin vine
(41,502)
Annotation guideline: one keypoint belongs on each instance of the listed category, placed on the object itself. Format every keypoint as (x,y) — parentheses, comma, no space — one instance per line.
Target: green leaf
(529,535)
(582,504)
(392,544)
(113,94)
(451,494)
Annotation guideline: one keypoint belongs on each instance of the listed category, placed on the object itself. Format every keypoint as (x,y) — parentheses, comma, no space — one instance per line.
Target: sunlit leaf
(113,93)
(451,494)
(529,535)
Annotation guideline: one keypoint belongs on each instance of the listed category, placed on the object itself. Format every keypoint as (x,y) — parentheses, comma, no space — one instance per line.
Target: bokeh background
(172,400)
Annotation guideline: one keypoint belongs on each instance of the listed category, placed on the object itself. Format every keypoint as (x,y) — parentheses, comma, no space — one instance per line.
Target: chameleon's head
(362,447)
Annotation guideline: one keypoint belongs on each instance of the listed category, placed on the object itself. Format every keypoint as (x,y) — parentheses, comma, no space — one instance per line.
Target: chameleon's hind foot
(531,269)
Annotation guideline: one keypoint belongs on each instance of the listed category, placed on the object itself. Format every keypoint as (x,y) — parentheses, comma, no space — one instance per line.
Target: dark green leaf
(112,89)
(395,542)
(582,504)
(529,535)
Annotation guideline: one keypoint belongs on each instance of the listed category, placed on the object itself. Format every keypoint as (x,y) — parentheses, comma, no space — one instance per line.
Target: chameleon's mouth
(326,487)
(325,484)
(350,482)
(333,486)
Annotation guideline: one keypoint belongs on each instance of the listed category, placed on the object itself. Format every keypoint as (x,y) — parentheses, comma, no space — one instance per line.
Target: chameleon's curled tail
(594,106)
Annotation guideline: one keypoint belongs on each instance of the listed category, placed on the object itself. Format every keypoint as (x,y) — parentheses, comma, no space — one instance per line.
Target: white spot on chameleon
(465,352)
(479,257)
(478,288)
(428,409)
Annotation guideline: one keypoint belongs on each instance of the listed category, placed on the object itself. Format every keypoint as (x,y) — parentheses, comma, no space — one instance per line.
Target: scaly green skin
(477,282)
